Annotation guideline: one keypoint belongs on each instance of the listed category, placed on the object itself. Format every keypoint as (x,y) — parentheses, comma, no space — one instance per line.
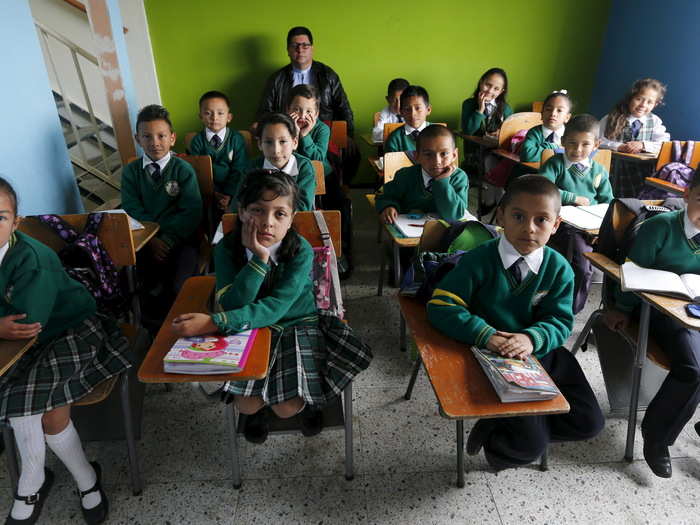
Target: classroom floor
(404,454)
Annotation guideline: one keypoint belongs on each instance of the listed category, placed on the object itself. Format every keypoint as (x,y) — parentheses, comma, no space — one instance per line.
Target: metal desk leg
(129,431)
(8,437)
(231,416)
(544,463)
(414,376)
(397,266)
(347,401)
(382,266)
(402,333)
(460,453)
(639,358)
(135,303)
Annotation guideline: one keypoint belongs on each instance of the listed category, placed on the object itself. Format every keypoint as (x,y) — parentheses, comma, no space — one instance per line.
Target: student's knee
(591,425)
(56,420)
(288,409)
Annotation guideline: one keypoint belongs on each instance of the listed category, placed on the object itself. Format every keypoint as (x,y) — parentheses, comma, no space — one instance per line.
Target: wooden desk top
(636,156)
(194,297)
(141,237)
(461,386)
(11,351)
(484,142)
(403,242)
(367,137)
(667,305)
(515,158)
(664,185)
(373,162)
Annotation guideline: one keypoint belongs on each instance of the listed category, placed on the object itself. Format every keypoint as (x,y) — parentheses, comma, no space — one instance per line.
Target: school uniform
(228,157)
(412,189)
(314,146)
(404,138)
(668,242)
(539,139)
(312,356)
(386,116)
(77,348)
(587,179)
(628,175)
(303,173)
(482,295)
(476,123)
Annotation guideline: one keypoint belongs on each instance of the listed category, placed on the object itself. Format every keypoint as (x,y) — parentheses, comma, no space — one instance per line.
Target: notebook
(636,278)
(210,354)
(411,224)
(133,223)
(516,380)
(584,217)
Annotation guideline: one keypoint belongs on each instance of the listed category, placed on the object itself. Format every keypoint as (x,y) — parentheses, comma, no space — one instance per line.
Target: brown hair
(617,118)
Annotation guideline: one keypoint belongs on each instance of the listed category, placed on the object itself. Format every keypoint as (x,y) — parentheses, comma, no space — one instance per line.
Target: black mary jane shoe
(478,436)
(35,499)
(657,457)
(311,421)
(96,514)
(257,426)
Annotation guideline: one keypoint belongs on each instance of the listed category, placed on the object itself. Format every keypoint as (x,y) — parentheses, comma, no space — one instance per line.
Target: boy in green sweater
(671,242)
(162,188)
(314,135)
(415,108)
(512,295)
(582,182)
(224,145)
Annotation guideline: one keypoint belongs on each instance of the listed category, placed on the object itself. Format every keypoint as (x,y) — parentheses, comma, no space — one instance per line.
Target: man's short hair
(398,84)
(299,30)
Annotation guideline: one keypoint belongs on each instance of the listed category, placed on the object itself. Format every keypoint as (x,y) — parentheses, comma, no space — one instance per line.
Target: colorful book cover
(229,353)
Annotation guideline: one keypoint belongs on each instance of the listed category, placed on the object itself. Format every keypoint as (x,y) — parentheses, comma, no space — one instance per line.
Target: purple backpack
(678,172)
(86,261)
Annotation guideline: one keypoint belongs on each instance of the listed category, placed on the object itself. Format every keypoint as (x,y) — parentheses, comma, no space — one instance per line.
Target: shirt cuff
(567,197)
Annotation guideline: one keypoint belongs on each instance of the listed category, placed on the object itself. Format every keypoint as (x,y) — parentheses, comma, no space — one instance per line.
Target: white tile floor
(404,455)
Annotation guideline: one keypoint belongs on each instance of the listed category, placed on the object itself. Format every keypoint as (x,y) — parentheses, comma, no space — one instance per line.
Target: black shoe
(257,427)
(35,499)
(311,421)
(99,513)
(657,457)
(478,435)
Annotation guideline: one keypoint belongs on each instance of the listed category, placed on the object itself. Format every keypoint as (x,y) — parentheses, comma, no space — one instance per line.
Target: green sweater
(534,144)
(306,180)
(289,302)
(33,282)
(314,146)
(407,193)
(480,296)
(661,244)
(593,183)
(175,203)
(399,141)
(229,160)
(475,123)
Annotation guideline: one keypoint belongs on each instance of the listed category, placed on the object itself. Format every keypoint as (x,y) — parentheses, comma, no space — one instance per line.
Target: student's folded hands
(517,345)
(188,325)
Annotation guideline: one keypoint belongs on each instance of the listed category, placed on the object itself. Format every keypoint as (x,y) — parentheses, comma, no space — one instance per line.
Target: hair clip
(561,91)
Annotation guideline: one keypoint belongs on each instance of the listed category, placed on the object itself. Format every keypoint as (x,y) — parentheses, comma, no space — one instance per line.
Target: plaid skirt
(627,176)
(314,362)
(65,369)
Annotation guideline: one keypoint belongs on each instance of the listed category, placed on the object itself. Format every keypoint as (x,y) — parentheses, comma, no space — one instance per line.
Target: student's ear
(597,142)
(229,118)
(686,194)
(568,117)
(428,109)
(295,142)
(18,219)
(499,216)
(173,138)
(557,222)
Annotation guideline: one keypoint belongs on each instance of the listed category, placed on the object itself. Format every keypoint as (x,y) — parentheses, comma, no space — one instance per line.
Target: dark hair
(414,91)
(434,131)
(532,185)
(694,181)
(305,91)
(583,123)
(151,113)
(276,118)
(398,84)
(555,94)
(6,188)
(501,98)
(214,94)
(617,118)
(299,30)
(256,183)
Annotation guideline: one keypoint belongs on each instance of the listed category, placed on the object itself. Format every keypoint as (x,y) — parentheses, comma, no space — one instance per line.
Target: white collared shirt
(272,249)
(567,163)
(3,251)
(530,262)
(147,161)
(426,178)
(489,108)
(689,228)
(558,133)
(408,129)
(290,168)
(301,76)
(385,117)
(659,135)
(210,134)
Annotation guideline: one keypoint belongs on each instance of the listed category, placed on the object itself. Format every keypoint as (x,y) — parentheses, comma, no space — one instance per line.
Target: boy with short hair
(162,188)
(582,182)
(435,184)
(391,114)
(415,108)
(303,108)
(224,145)
(512,295)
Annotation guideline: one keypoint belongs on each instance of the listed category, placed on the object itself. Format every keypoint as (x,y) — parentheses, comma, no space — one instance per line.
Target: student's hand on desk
(582,201)
(160,249)
(188,325)
(495,342)
(389,215)
(616,320)
(249,238)
(222,200)
(517,346)
(634,146)
(10,329)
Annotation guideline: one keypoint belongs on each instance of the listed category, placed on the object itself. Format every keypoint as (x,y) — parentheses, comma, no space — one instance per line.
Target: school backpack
(499,174)
(86,260)
(324,273)
(678,171)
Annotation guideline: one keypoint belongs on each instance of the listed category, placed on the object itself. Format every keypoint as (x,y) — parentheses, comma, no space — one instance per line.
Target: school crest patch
(230,155)
(172,188)
(596,181)
(8,293)
(537,299)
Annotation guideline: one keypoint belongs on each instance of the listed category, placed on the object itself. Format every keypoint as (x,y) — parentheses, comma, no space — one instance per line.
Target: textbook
(584,217)
(636,278)
(516,380)
(209,354)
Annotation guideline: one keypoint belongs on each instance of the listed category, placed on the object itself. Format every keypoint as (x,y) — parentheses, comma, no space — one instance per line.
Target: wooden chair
(602,157)
(665,156)
(390,128)
(188,139)
(393,162)
(339,133)
(205,178)
(537,106)
(320,182)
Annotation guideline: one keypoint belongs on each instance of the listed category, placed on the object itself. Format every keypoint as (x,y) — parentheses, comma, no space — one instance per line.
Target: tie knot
(515,270)
(636,127)
(429,185)
(580,166)
(414,134)
(155,171)
(216,141)
(550,137)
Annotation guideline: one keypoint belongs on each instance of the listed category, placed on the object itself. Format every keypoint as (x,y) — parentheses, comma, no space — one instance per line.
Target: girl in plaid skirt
(75,351)
(263,280)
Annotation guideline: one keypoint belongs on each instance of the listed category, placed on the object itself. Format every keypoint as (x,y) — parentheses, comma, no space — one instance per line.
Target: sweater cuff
(567,197)
(256,264)
(537,339)
(484,335)
(227,324)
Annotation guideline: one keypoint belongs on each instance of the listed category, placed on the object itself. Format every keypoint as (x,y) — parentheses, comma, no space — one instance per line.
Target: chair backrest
(248,139)
(320,178)
(376,118)
(114,233)
(602,157)
(623,216)
(666,154)
(339,133)
(389,129)
(305,225)
(394,161)
(433,232)
(537,106)
(205,178)
(516,122)
(188,139)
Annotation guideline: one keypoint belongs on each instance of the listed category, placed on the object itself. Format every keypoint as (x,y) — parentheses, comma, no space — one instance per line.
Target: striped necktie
(515,271)
(414,135)
(216,141)
(636,127)
(696,238)
(429,186)
(579,166)
(550,138)
(156,175)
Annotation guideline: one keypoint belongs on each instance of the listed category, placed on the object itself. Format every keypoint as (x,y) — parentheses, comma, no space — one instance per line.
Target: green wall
(443,46)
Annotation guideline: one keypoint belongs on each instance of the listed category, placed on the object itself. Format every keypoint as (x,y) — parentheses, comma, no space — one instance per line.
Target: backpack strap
(64,230)
(688,152)
(335,277)
(676,156)
(93,223)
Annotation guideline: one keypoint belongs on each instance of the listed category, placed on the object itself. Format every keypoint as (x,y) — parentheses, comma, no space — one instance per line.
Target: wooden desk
(374,162)
(141,237)
(486,141)
(643,157)
(664,185)
(367,137)
(12,351)
(194,297)
(461,387)
(504,153)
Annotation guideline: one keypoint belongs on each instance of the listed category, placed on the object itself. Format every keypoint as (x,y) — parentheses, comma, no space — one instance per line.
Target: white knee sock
(67,446)
(29,436)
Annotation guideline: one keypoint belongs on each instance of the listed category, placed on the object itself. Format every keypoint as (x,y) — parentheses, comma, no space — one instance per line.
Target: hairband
(560,91)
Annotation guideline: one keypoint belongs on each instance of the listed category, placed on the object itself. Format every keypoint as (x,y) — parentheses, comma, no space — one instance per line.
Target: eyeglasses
(303,45)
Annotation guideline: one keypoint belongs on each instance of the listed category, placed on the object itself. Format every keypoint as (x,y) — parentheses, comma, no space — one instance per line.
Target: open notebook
(411,224)
(636,278)
(584,217)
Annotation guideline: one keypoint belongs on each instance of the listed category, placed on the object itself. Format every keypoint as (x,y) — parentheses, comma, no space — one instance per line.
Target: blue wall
(33,154)
(652,38)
